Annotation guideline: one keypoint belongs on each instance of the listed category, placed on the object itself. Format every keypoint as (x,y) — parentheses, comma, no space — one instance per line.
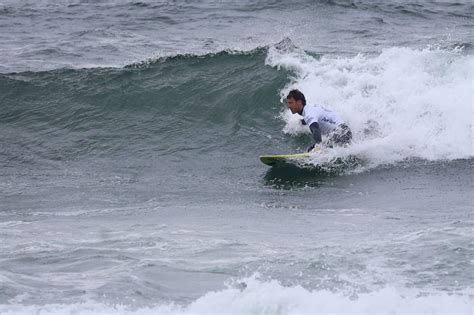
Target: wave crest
(174,57)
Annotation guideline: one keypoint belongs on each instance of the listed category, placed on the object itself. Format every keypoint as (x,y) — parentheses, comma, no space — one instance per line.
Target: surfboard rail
(273,159)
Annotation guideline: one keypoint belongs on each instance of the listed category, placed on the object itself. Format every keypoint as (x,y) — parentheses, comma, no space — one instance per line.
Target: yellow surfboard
(273,160)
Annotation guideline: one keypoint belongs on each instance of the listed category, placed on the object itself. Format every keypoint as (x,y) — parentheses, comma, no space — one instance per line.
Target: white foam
(270,297)
(421,99)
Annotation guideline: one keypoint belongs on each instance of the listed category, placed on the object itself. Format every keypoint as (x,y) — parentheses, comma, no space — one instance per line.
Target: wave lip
(189,56)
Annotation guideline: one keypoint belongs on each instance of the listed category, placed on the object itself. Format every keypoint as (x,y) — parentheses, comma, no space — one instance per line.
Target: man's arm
(314,127)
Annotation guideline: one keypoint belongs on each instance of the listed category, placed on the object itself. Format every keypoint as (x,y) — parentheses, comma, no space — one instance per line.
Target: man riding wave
(321,121)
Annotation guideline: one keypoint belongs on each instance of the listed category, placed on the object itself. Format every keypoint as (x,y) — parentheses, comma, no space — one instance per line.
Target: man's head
(296,101)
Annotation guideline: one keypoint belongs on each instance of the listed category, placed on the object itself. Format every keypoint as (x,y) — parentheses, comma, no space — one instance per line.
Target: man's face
(296,106)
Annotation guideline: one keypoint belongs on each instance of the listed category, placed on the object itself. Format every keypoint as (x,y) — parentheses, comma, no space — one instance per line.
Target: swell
(406,9)
(184,103)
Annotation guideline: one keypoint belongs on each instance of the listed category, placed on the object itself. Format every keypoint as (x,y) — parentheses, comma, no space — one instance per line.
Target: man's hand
(314,148)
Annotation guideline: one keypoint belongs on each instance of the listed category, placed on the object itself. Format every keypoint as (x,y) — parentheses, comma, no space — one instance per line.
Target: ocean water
(129,173)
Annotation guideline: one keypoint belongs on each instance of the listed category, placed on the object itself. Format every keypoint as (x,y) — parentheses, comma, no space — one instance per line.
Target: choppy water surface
(129,142)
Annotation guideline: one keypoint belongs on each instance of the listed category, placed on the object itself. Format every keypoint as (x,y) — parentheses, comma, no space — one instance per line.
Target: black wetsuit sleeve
(314,127)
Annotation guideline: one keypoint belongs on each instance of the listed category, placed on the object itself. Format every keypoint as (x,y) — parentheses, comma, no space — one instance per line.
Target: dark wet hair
(296,95)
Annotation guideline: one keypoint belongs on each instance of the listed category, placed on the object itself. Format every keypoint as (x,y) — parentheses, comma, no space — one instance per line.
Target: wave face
(403,103)
(181,105)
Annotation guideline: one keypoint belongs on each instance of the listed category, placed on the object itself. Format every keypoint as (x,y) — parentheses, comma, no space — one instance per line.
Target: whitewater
(401,104)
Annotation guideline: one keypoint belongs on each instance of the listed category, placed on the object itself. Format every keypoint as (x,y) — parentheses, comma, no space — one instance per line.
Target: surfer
(321,121)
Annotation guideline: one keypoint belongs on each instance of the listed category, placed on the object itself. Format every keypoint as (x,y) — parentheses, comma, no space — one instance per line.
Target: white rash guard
(327,120)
